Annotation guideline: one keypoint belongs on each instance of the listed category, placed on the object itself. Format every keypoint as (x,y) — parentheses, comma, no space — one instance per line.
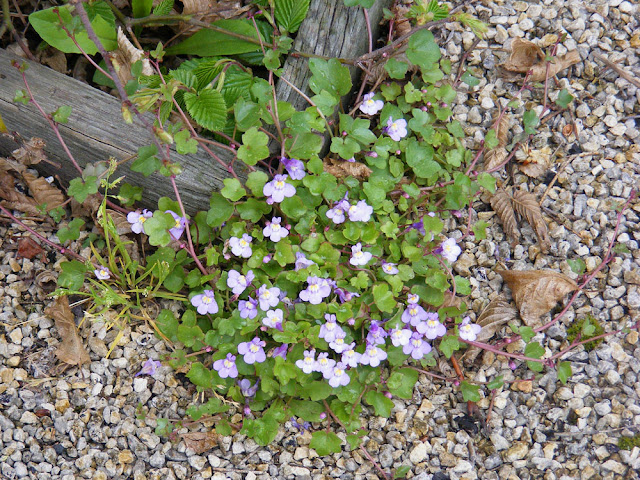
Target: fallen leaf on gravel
(342,168)
(71,349)
(29,248)
(200,442)
(31,152)
(496,313)
(493,158)
(14,199)
(536,163)
(501,204)
(43,192)
(536,292)
(526,204)
(526,55)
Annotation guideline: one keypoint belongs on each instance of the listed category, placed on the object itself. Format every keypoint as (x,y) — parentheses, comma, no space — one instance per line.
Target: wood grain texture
(95,132)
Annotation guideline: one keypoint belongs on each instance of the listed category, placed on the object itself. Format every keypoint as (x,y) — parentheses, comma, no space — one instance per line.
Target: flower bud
(247,410)
(388,395)
(323,415)
(266,259)
(512,365)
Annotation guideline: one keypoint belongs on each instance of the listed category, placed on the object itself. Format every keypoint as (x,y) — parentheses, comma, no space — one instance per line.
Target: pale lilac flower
(273,319)
(274,230)
(302,261)
(376,335)
(345,295)
(450,249)
(137,219)
(226,367)
(350,357)
(389,268)
(149,367)
(278,189)
(416,347)
(469,331)
(248,308)
(337,213)
(369,106)
(414,314)
(358,257)
(330,329)
(280,351)
(400,337)
(205,303)
(324,363)
(102,273)
(178,228)
(360,212)
(338,344)
(373,355)
(253,351)
(432,328)
(303,427)
(241,247)
(295,168)
(413,298)
(308,363)
(268,297)
(248,391)
(337,375)
(317,290)
(396,129)
(238,282)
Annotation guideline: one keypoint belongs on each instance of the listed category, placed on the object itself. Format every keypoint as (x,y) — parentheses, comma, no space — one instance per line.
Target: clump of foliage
(586,328)
(629,443)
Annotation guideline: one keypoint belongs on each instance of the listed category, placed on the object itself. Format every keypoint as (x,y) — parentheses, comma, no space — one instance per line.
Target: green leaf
(254,146)
(141,8)
(290,13)
(401,472)
(72,275)
(293,207)
(71,231)
(354,441)
(526,333)
(318,390)
(325,443)
(448,345)
(534,350)
(420,158)
(423,49)
(80,189)
(345,147)
(395,68)
(184,143)
(402,382)
(470,392)
(262,430)
(247,114)
(61,115)
(210,43)
(220,211)
(480,230)
(233,189)
(303,145)
(564,371)
(157,228)
(253,210)
(564,98)
(530,120)
(163,8)
(146,163)
(307,410)
(577,265)
(362,3)
(469,79)
(168,324)
(491,140)
(496,383)
(207,108)
(487,181)
(380,403)
(383,298)
(256,182)
(329,75)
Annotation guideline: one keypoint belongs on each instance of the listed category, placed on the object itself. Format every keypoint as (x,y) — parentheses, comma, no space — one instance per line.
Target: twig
(619,70)
(475,43)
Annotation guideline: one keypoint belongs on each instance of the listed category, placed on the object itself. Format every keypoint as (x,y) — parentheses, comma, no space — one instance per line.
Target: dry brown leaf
(31,152)
(526,55)
(502,129)
(342,168)
(125,56)
(14,199)
(493,158)
(201,442)
(54,58)
(29,248)
(88,208)
(71,349)
(536,292)
(451,300)
(401,24)
(526,204)
(537,162)
(501,204)
(496,313)
(43,192)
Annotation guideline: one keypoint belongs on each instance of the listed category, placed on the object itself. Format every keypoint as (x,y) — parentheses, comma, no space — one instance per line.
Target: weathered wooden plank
(95,132)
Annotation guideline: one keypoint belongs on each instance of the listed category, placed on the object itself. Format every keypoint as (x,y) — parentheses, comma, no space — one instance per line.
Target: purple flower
(416,347)
(358,257)
(178,228)
(274,230)
(205,302)
(337,213)
(360,212)
(396,129)
(318,289)
(330,329)
(324,363)
(149,368)
(432,328)
(253,351)
(226,367)
(414,314)
(304,426)
(278,189)
(248,308)
(280,351)
(308,363)
(238,282)
(469,331)
(450,249)
(338,345)
(302,261)
(246,389)
(350,357)
(400,337)
(137,219)
(419,226)
(241,247)
(376,334)
(102,273)
(369,106)
(273,319)
(373,355)
(389,268)
(345,295)
(268,297)
(413,298)
(295,168)
(337,375)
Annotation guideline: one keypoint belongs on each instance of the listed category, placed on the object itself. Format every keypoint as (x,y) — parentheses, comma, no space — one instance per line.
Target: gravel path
(98,421)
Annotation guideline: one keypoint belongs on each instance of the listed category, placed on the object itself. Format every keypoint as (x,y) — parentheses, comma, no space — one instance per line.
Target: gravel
(98,421)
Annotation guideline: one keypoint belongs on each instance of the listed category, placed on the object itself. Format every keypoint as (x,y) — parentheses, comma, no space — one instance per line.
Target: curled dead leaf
(536,292)
(31,152)
(43,192)
(501,204)
(494,158)
(567,130)
(526,204)
(125,56)
(493,317)
(536,163)
(47,281)
(14,199)
(201,442)
(29,248)
(342,168)
(526,56)
(502,125)
(71,349)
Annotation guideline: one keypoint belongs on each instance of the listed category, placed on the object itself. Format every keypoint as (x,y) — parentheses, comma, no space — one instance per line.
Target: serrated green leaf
(325,443)
(383,298)
(449,344)
(290,13)
(256,182)
(207,108)
(530,120)
(396,68)
(61,115)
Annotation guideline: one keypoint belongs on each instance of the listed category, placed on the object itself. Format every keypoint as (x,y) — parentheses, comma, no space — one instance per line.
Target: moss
(589,327)
(627,443)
